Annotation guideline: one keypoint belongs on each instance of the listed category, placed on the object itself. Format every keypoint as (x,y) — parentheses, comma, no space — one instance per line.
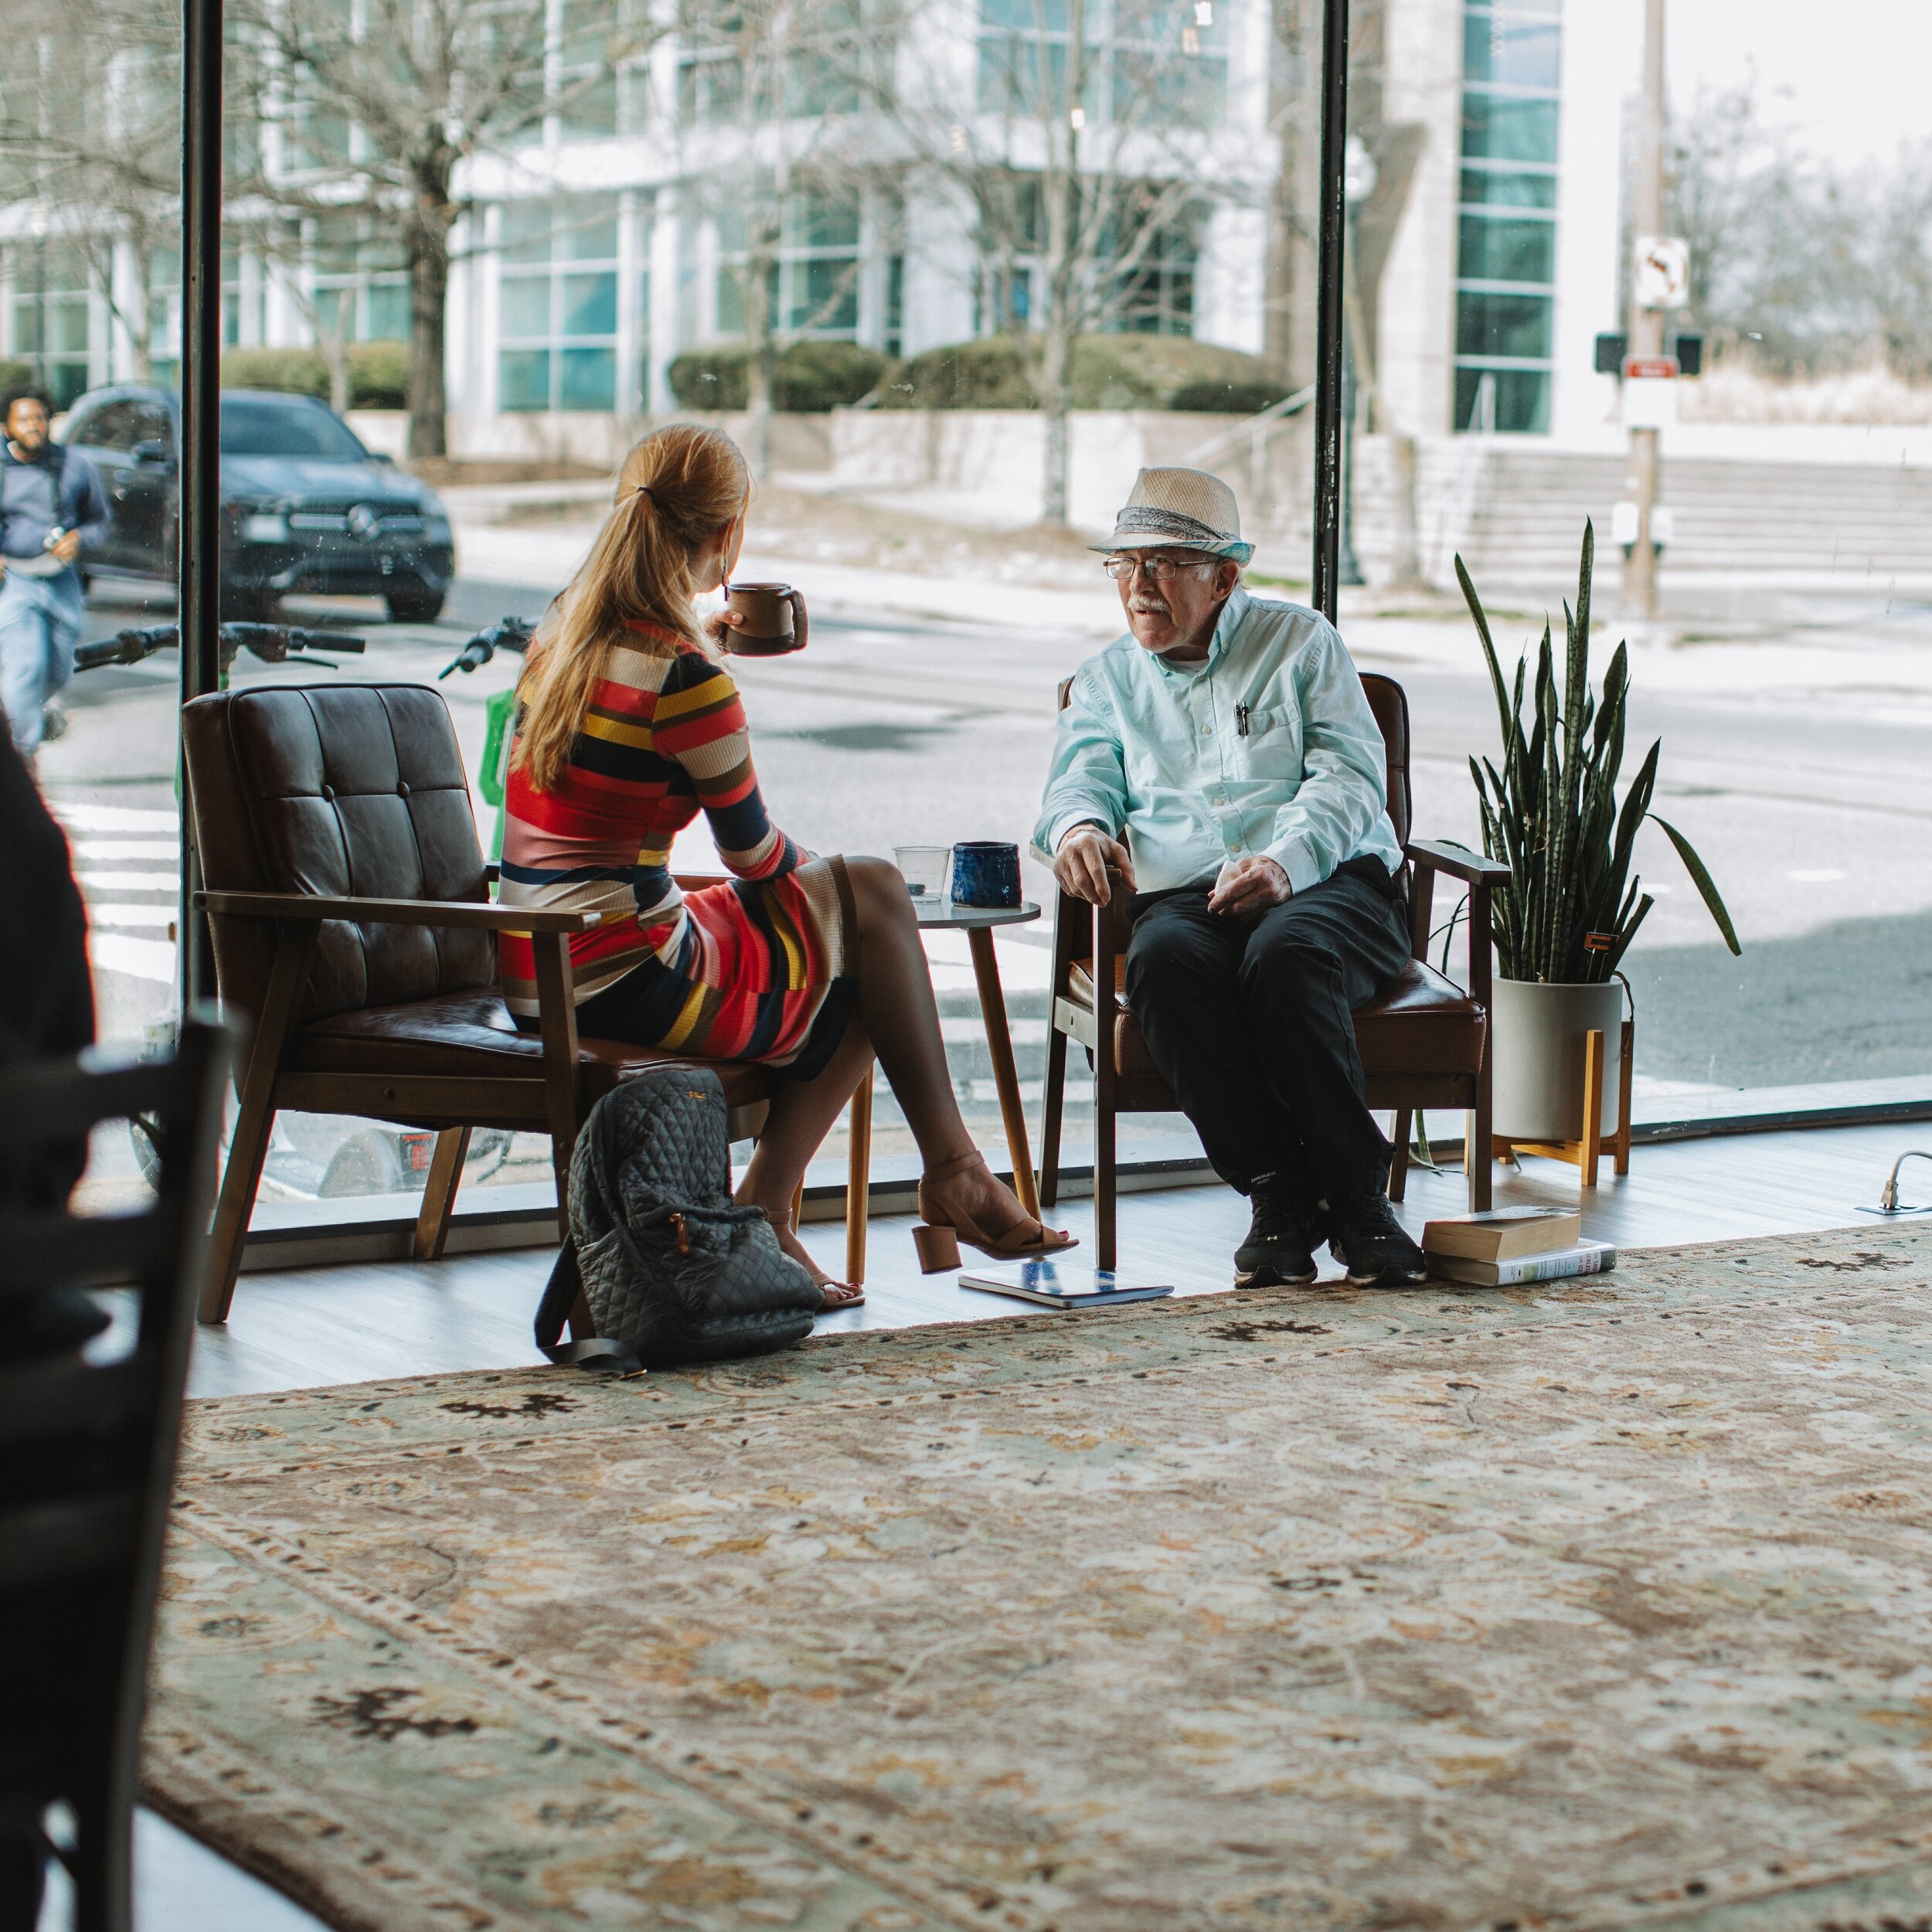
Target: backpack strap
(559,1295)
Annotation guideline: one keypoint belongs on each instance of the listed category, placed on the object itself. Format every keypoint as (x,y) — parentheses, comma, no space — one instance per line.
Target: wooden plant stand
(1583,1153)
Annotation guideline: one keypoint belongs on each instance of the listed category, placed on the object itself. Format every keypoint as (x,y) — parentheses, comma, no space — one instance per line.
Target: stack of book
(1508,1245)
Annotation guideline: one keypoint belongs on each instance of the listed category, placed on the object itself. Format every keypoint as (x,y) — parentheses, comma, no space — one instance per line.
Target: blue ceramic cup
(985,873)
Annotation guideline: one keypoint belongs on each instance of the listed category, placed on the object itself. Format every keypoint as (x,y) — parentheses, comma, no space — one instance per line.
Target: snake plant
(1551,814)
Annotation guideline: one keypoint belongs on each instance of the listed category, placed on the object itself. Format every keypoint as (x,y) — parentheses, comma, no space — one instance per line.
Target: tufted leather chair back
(337,789)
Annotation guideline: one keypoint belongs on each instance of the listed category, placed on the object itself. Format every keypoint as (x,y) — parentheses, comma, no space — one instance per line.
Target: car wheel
(366,1163)
(415,606)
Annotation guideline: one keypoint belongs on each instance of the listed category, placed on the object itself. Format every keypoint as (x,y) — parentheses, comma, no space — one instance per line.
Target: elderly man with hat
(1221,762)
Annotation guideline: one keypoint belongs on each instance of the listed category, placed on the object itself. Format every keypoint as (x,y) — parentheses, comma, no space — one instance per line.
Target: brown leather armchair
(1424,1042)
(352,921)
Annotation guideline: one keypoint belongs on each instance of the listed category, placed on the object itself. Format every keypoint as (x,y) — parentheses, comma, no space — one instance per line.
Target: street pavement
(1796,763)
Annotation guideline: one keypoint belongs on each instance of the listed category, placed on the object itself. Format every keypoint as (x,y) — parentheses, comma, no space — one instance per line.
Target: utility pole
(1646,324)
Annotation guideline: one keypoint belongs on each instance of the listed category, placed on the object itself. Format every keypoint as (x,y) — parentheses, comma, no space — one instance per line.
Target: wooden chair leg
(1105,1248)
(1053,1103)
(103,1862)
(859,1180)
(248,1147)
(556,1016)
(439,1194)
(1479,1143)
(1592,1137)
(1399,1161)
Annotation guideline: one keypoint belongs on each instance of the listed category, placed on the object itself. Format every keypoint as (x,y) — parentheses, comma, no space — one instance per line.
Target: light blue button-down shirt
(1156,752)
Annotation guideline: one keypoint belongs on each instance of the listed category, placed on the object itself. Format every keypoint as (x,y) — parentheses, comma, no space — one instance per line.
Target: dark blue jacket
(82,503)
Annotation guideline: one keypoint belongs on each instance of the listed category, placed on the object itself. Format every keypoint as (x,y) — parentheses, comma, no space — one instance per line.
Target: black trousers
(1249,1020)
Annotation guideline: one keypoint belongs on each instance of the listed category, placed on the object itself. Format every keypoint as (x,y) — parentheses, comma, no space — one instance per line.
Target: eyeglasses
(1156,570)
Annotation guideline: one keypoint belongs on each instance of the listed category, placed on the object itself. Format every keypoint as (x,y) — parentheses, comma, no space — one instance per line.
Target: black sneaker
(1282,1236)
(1365,1237)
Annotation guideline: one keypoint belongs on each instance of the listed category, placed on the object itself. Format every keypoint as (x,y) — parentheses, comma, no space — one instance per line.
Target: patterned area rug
(1571,1607)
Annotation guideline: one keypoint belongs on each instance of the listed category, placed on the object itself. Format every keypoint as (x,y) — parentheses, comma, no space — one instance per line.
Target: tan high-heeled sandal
(945,1226)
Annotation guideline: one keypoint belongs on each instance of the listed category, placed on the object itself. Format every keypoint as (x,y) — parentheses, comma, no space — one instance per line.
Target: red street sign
(1650,368)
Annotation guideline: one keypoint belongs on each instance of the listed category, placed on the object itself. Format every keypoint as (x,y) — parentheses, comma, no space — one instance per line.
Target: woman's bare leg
(901,1020)
(803,1113)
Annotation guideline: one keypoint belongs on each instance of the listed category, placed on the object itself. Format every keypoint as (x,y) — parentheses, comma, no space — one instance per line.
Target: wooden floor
(319,1325)
(353,1323)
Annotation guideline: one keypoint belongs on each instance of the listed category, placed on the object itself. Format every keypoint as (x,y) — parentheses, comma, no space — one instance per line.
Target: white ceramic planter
(1539,1056)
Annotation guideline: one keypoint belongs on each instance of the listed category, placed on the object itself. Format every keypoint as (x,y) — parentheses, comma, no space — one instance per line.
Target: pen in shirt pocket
(1241,720)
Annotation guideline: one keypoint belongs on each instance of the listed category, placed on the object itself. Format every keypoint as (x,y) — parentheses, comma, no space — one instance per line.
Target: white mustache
(1147,607)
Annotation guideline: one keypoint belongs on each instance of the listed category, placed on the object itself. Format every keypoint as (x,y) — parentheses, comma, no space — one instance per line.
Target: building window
(362,283)
(51,322)
(1130,65)
(558,304)
(814,284)
(588,68)
(1506,239)
(1155,296)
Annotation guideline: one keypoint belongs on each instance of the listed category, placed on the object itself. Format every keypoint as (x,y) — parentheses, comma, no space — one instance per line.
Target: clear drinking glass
(927,870)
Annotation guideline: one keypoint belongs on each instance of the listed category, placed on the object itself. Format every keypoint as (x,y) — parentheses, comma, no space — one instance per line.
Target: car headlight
(436,529)
(264,527)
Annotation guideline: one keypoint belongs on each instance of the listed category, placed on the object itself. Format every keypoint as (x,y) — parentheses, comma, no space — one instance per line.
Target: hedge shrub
(378,375)
(1109,372)
(987,374)
(299,372)
(1229,398)
(377,372)
(811,377)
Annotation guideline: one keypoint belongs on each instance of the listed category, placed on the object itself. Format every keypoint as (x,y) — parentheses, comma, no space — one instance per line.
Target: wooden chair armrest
(1458,862)
(399,912)
(1111,930)
(695,882)
(1481,875)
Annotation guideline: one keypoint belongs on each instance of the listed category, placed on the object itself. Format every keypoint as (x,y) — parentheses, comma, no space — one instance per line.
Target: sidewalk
(1855,649)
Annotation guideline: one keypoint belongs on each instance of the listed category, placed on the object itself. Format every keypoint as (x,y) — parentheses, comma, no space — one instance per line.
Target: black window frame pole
(1330,332)
(199,517)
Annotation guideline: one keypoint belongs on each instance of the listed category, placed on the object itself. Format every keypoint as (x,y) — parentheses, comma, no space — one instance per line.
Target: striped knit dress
(757,968)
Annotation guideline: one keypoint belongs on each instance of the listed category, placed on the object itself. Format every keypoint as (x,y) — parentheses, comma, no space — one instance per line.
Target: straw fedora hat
(1187,507)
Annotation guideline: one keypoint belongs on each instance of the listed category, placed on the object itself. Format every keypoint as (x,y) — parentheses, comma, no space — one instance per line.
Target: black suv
(304,506)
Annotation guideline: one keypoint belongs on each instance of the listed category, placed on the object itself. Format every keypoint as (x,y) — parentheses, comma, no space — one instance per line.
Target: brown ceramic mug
(772,619)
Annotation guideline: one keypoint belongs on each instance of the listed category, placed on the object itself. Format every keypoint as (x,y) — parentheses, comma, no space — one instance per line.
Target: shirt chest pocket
(1271,748)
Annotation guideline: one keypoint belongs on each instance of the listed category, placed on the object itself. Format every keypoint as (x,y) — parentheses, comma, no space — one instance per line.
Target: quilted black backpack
(674,1270)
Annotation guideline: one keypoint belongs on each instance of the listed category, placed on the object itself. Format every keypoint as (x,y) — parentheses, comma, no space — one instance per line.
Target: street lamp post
(1358,183)
(1647,321)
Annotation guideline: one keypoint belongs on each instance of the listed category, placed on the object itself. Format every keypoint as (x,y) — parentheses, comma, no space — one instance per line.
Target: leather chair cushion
(1422,1025)
(472,1035)
(344,789)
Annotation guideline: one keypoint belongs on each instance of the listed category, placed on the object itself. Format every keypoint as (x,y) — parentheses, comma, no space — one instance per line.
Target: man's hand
(68,547)
(1250,885)
(1081,864)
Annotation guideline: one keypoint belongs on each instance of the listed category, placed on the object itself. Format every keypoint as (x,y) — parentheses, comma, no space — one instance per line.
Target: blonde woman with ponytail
(629,726)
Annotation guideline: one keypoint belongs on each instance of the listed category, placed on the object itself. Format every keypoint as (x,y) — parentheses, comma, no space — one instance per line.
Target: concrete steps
(1515,511)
